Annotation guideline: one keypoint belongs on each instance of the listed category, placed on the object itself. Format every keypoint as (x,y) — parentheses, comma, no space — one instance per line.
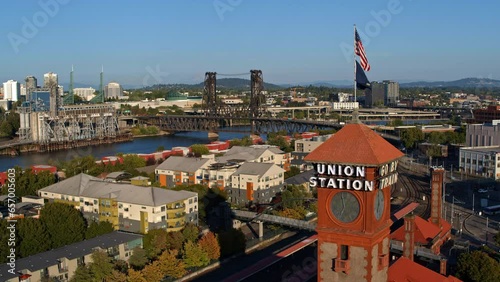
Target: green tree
(478,266)
(194,255)
(171,265)
(190,232)
(82,274)
(160,149)
(138,259)
(152,272)
(133,161)
(175,240)
(411,137)
(231,242)
(210,245)
(292,172)
(116,276)
(33,237)
(497,238)
(97,229)
(63,232)
(101,266)
(294,196)
(155,242)
(135,276)
(199,149)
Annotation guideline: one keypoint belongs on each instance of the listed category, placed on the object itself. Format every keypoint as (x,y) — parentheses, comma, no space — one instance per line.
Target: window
(344,252)
(143,208)
(163,218)
(190,201)
(163,208)
(81,200)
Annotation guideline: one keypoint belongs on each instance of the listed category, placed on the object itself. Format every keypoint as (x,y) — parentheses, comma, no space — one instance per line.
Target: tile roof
(405,270)
(355,144)
(183,164)
(83,185)
(76,250)
(424,231)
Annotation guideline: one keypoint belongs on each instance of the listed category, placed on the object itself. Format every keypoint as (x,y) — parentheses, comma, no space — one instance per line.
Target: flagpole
(354,57)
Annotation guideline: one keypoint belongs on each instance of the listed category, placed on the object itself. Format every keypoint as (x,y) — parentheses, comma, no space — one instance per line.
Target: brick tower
(355,169)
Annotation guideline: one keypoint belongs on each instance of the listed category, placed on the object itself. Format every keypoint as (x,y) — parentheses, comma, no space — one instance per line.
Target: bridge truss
(227,124)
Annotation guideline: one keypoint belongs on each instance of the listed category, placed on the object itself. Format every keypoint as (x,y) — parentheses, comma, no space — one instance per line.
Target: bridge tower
(209,103)
(355,169)
(256,97)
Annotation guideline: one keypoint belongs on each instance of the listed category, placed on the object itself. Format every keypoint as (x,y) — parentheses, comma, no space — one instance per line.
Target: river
(139,145)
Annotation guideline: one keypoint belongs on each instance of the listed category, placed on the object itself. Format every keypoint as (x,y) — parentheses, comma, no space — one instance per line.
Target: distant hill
(228,83)
(462,83)
(238,83)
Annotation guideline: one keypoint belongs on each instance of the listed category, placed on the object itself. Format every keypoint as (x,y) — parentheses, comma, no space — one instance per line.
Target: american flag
(360,51)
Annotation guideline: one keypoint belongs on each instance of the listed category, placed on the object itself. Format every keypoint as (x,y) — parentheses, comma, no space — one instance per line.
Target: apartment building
(481,161)
(256,182)
(181,170)
(128,207)
(61,263)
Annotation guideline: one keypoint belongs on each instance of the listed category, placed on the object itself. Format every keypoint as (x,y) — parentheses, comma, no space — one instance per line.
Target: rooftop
(485,149)
(405,270)
(183,164)
(425,231)
(80,249)
(255,168)
(355,144)
(246,153)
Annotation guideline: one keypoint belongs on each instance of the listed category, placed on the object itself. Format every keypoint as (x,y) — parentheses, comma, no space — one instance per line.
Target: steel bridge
(233,124)
(218,116)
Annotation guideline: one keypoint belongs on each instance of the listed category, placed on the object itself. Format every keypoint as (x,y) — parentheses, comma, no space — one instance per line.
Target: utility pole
(473,200)
(452,209)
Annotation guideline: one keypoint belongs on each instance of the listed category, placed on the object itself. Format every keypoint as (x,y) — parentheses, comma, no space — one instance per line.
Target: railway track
(415,190)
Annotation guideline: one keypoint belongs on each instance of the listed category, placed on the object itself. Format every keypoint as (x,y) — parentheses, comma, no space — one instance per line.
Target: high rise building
(11,90)
(85,93)
(113,90)
(382,93)
(31,82)
(50,80)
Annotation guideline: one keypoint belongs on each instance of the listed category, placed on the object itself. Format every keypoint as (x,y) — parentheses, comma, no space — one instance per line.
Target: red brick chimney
(437,177)
(409,239)
(442,267)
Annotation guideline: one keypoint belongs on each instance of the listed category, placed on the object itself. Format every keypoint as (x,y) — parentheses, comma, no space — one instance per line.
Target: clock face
(379,204)
(345,207)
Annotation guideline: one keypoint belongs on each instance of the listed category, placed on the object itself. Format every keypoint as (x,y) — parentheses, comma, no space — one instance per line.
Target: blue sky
(177,41)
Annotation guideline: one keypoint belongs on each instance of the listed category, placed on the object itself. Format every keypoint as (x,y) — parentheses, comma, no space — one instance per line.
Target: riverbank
(135,146)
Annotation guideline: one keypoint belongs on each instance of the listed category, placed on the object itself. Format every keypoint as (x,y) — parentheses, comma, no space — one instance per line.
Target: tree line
(165,254)
(34,236)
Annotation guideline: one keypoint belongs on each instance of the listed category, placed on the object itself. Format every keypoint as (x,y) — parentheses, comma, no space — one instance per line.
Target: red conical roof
(355,144)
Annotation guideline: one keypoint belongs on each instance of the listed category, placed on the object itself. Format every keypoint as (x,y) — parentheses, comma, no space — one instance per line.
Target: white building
(11,90)
(482,161)
(85,93)
(256,182)
(345,105)
(479,135)
(128,207)
(113,90)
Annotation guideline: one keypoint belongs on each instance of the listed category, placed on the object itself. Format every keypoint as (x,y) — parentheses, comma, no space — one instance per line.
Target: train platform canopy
(405,270)
(356,144)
